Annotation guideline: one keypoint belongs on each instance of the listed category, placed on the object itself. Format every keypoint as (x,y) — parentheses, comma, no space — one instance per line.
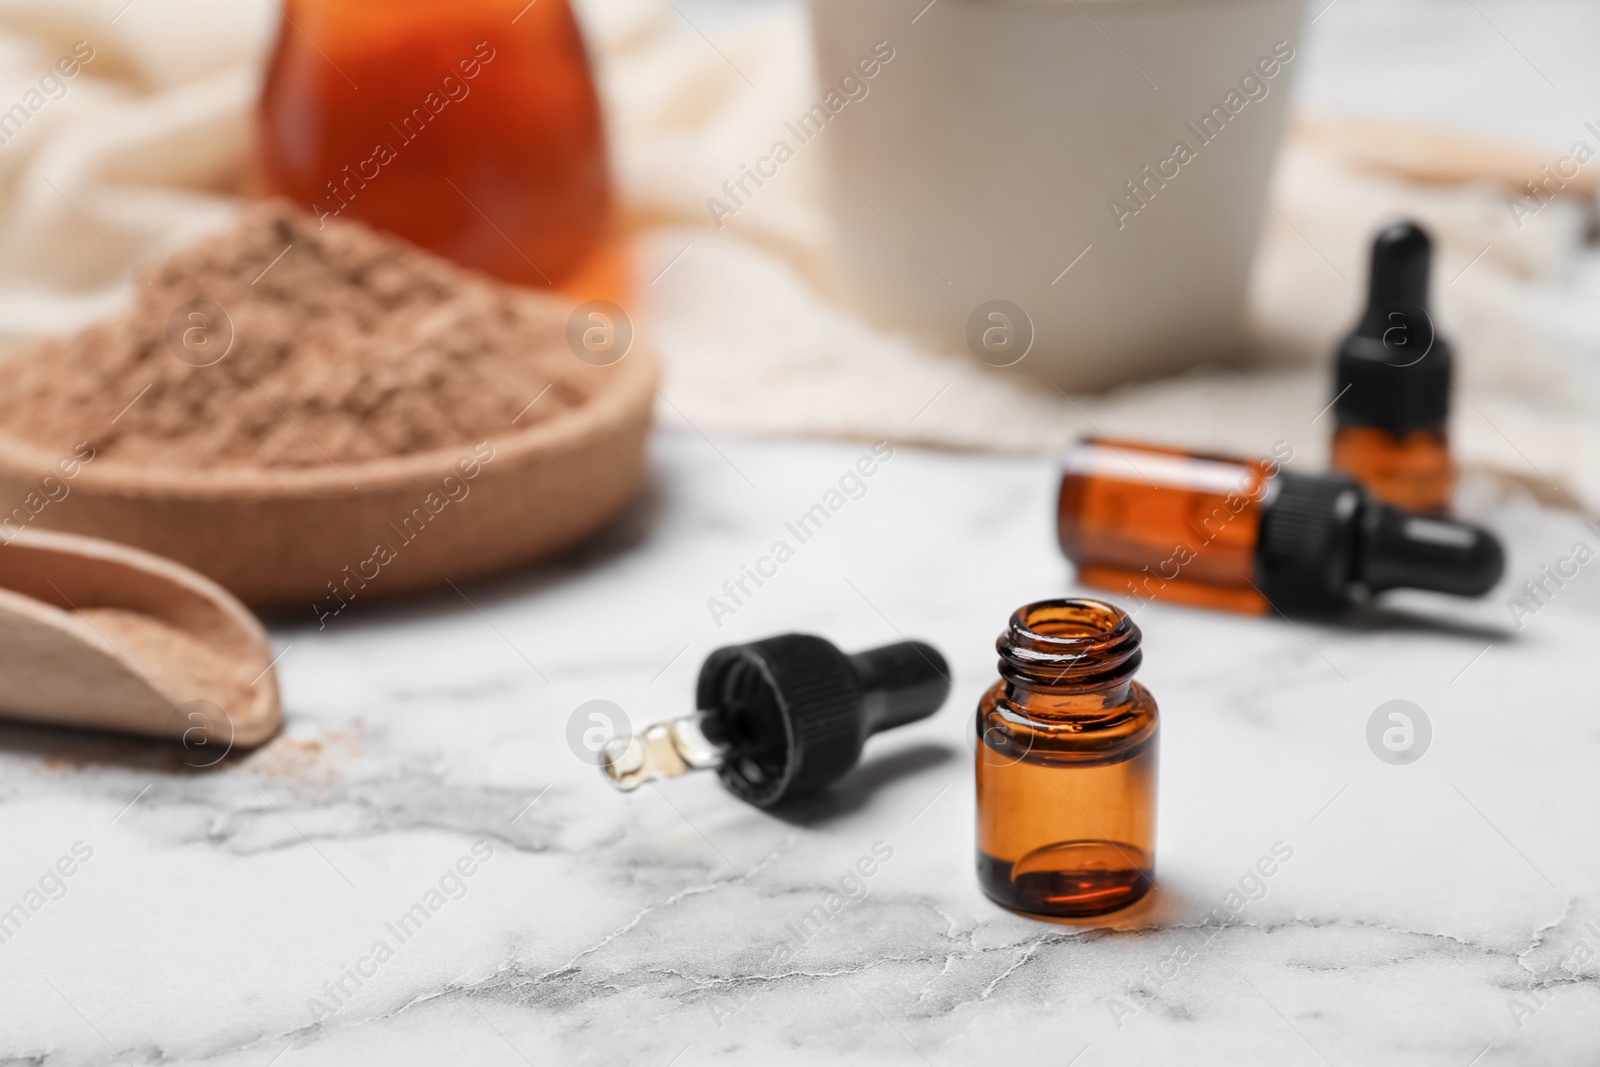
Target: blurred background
(759,320)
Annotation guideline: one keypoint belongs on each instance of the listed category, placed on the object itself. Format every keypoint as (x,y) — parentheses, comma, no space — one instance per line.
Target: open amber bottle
(1066,764)
(471,128)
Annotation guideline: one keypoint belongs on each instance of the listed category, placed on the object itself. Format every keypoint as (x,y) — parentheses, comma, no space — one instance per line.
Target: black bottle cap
(1400,549)
(1393,371)
(1305,553)
(1324,540)
(795,711)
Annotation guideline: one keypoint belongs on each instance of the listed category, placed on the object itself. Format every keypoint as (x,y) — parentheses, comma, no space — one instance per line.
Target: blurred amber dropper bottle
(471,128)
(1392,382)
(1161,523)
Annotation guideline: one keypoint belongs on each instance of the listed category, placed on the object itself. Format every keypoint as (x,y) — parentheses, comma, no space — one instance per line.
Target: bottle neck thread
(1069,648)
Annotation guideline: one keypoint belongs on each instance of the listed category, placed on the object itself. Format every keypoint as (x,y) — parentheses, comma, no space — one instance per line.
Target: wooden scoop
(97,634)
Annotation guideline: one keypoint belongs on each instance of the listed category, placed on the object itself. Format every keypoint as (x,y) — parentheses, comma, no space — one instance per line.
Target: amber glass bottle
(1161,523)
(1066,764)
(1152,521)
(1392,382)
(1412,470)
(471,128)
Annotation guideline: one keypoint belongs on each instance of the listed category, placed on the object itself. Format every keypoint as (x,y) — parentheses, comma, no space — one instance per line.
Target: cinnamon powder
(352,346)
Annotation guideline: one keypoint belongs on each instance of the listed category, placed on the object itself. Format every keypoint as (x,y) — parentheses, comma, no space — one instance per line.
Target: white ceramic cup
(978,164)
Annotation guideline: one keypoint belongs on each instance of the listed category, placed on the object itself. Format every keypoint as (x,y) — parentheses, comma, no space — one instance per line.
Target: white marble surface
(1421,903)
(1431,914)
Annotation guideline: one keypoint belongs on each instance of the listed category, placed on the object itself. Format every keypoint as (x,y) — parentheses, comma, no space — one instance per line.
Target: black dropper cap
(1325,540)
(795,711)
(1393,372)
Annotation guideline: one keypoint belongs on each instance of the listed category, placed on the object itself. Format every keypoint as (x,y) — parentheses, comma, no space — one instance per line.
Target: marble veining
(1444,912)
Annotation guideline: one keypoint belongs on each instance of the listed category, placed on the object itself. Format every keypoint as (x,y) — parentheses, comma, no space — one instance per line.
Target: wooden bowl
(320,538)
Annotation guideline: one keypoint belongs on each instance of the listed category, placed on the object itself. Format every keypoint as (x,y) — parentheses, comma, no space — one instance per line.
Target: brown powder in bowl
(352,346)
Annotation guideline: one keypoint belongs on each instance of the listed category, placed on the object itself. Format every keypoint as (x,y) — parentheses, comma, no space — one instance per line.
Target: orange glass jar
(1066,764)
(471,128)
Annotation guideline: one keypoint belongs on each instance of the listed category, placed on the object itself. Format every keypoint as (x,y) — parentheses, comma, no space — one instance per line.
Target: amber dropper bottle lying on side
(1161,523)
(1392,382)
(1066,764)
